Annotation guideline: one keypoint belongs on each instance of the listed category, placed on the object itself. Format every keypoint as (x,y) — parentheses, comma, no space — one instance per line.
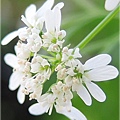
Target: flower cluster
(32,69)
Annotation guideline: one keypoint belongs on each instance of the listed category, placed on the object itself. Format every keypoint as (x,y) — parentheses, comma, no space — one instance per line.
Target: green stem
(98,28)
(51,53)
(47,57)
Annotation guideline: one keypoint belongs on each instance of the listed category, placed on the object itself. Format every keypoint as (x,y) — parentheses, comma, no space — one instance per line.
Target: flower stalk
(98,28)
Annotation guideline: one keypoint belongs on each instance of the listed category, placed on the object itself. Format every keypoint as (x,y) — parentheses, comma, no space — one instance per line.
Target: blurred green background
(79,17)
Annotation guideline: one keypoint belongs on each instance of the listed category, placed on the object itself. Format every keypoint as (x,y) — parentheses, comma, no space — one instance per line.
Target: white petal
(77,53)
(14,81)
(25,21)
(37,109)
(74,114)
(11,60)
(102,74)
(47,5)
(57,17)
(20,96)
(96,91)
(30,11)
(63,33)
(45,63)
(70,72)
(111,4)
(97,61)
(15,49)
(84,95)
(8,38)
(59,5)
(49,21)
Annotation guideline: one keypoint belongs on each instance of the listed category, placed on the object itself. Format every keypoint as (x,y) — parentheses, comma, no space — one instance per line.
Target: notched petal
(97,61)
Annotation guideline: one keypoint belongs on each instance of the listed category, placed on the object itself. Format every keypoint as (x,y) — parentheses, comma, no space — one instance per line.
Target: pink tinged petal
(84,95)
(97,61)
(96,91)
(20,95)
(8,38)
(74,114)
(111,4)
(30,11)
(11,60)
(49,21)
(14,81)
(47,5)
(37,109)
(102,74)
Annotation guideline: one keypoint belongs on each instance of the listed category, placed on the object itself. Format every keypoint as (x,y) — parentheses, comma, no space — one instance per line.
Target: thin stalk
(98,28)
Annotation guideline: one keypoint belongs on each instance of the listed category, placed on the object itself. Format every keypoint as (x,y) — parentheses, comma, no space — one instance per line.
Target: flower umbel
(32,69)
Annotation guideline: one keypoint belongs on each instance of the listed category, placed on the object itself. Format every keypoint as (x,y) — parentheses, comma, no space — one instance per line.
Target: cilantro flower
(60,98)
(97,69)
(16,76)
(32,69)
(32,18)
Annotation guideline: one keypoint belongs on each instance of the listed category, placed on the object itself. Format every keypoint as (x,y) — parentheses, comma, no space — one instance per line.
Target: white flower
(63,94)
(97,69)
(73,114)
(53,38)
(32,70)
(45,105)
(33,86)
(22,51)
(53,18)
(60,98)
(70,72)
(69,56)
(81,91)
(38,64)
(16,77)
(111,4)
(23,33)
(33,19)
(55,47)
(9,37)
(41,66)
(61,74)
(34,42)
(94,69)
